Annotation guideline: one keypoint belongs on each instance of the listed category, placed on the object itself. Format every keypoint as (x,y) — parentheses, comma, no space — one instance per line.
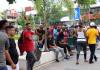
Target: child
(12,49)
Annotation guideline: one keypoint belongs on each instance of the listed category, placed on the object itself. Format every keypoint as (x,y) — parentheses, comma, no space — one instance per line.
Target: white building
(97,4)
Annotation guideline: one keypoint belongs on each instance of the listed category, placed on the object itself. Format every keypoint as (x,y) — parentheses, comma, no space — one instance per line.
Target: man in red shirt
(28,38)
(28,44)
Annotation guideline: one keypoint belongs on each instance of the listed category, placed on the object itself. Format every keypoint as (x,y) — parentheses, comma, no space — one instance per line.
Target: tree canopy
(86,2)
(53,9)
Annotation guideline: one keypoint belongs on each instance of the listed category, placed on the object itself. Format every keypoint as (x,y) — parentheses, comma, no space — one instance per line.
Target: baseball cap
(92,24)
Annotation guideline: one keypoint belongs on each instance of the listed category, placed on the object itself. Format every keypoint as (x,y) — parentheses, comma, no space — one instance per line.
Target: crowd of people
(56,39)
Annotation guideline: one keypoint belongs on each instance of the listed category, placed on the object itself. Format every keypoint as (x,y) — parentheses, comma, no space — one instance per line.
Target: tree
(56,14)
(85,4)
(70,6)
(21,19)
(11,1)
(53,8)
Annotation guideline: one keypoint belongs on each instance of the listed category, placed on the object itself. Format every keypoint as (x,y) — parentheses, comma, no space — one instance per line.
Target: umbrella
(64,19)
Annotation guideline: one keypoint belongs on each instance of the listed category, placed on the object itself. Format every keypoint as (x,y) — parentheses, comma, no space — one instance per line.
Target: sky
(19,5)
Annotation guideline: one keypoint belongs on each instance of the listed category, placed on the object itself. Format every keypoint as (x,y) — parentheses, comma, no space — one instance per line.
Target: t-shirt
(65,36)
(92,34)
(55,33)
(50,42)
(40,33)
(58,41)
(61,35)
(27,43)
(4,44)
(13,51)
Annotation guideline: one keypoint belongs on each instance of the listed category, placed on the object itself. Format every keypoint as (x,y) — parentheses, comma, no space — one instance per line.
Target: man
(61,44)
(52,47)
(41,34)
(4,45)
(28,44)
(12,49)
(92,34)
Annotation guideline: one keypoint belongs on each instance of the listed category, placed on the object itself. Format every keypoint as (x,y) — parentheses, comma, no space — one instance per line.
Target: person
(28,44)
(66,35)
(92,34)
(61,43)
(55,32)
(41,34)
(10,30)
(4,45)
(81,43)
(75,36)
(53,47)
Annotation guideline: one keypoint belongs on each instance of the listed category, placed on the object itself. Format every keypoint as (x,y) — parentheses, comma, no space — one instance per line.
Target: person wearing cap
(92,34)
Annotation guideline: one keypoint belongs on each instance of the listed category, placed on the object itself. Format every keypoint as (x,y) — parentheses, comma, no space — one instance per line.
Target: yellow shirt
(92,34)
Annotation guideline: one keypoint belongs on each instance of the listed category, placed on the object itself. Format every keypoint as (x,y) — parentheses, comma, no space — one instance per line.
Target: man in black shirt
(41,34)
(12,49)
(52,47)
(61,44)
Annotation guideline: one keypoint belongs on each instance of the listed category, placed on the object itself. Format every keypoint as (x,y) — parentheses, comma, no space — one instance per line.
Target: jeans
(81,46)
(57,50)
(92,50)
(31,59)
(64,48)
(3,68)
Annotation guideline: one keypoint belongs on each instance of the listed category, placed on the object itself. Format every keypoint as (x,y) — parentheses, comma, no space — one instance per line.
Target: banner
(77,13)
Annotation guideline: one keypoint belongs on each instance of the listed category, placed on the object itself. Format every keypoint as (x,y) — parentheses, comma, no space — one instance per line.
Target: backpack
(20,44)
(20,40)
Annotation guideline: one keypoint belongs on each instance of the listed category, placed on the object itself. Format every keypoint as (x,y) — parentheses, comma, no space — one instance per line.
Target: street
(70,64)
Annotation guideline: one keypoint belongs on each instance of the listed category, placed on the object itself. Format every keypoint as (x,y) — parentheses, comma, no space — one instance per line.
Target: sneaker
(85,60)
(77,63)
(95,59)
(91,62)
(57,60)
(66,58)
(71,54)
